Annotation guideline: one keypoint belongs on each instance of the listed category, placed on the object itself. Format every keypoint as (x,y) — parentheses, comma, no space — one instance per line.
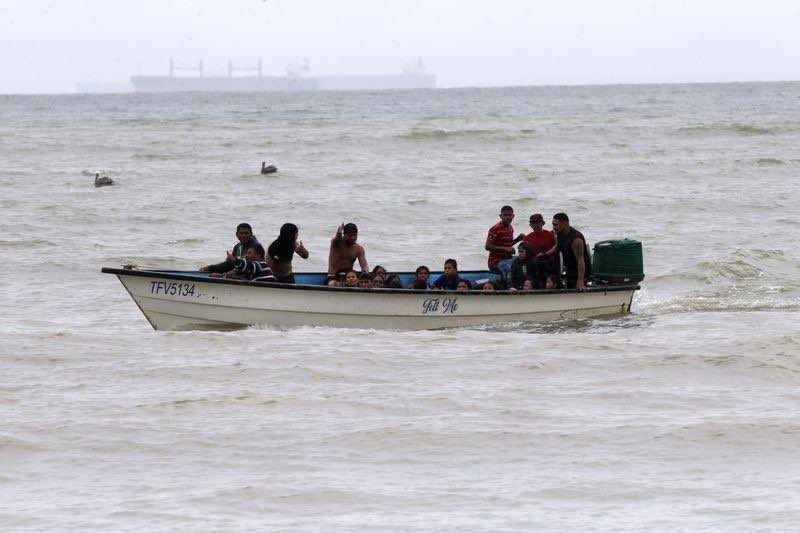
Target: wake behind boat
(187,300)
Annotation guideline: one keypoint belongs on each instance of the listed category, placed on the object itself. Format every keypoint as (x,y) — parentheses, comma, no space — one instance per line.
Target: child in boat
(526,286)
(422,274)
(364,281)
(350,279)
(378,271)
(523,267)
(419,285)
(393,281)
(489,286)
(449,280)
(463,286)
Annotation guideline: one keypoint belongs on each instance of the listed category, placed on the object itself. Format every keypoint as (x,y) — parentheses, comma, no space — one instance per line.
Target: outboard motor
(618,262)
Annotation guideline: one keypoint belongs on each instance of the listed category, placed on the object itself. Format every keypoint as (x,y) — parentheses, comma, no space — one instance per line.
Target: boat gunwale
(184,276)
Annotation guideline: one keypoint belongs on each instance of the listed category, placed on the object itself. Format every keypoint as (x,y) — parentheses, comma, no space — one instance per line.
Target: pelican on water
(102,182)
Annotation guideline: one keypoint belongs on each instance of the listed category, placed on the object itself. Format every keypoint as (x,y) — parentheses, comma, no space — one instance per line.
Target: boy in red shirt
(500,242)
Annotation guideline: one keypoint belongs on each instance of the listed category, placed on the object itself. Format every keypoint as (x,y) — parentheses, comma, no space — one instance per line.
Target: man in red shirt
(500,242)
(541,241)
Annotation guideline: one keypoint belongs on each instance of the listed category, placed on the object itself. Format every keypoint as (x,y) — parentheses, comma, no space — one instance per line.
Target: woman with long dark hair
(281,251)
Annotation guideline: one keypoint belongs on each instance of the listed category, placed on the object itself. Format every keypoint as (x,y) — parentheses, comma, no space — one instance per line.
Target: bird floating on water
(102,182)
(268,169)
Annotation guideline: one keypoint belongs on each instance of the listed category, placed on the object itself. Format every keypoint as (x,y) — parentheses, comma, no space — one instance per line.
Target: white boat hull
(181,301)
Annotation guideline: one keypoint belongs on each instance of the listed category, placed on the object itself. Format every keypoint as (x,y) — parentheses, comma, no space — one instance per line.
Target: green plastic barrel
(618,261)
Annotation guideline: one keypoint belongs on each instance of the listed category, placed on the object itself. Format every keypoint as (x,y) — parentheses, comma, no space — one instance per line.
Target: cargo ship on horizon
(298,78)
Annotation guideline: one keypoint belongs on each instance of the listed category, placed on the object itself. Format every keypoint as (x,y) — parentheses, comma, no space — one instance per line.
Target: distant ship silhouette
(298,78)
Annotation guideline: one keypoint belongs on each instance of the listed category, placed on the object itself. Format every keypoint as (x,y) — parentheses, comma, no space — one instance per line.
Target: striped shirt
(254,270)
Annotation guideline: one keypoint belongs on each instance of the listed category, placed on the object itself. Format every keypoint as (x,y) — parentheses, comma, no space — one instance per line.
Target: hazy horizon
(51,48)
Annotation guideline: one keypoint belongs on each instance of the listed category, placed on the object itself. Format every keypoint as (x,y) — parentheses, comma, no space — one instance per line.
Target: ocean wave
(161,157)
(746,265)
(56,208)
(722,127)
(168,262)
(740,434)
(25,244)
(10,443)
(770,161)
(187,241)
(717,303)
(588,326)
(447,134)
(151,219)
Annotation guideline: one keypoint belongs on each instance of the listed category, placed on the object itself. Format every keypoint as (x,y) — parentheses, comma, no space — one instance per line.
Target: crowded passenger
(244,232)
(449,280)
(523,267)
(364,281)
(421,274)
(393,281)
(541,241)
(281,251)
(344,250)
(527,285)
(574,252)
(500,242)
(530,267)
(419,285)
(378,271)
(350,279)
(251,267)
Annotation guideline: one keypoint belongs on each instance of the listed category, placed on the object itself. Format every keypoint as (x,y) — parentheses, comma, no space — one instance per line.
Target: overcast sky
(51,45)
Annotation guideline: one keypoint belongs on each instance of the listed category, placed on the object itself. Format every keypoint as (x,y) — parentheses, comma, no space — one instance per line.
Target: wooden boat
(183,300)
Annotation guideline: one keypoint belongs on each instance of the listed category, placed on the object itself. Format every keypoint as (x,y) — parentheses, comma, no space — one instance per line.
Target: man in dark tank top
(572,245)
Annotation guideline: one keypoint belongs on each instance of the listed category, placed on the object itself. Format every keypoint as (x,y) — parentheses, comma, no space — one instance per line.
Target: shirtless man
(344,251)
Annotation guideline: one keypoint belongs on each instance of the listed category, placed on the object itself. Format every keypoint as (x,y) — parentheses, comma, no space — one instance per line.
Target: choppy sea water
(682,415)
